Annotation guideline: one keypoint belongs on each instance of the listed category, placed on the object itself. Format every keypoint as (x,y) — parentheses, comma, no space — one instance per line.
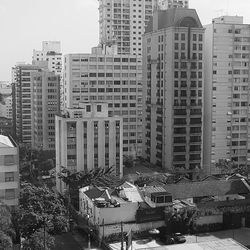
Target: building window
(99,108)
(10,194)
(9,160)
(9,176)
(88,108)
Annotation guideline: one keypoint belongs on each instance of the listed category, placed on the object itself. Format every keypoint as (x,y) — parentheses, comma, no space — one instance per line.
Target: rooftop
(5,142)
(95,193)
(174,17)
(208,188)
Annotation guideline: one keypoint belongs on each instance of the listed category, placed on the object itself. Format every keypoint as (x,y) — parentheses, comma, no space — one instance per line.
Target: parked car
(164,237)
(168,240)
(179,238)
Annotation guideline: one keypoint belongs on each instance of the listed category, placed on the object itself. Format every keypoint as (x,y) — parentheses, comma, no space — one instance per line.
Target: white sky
(24,24)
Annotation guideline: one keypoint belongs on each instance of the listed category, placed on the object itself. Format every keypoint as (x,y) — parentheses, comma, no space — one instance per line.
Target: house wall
(116,229)
(125,213)
(211,219)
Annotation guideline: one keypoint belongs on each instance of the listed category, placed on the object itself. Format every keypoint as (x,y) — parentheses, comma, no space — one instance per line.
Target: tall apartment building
(173,77)
(51,53)
(45,105)
(115,79)
(167,4)
(227,121)
(87,138)
(5,100)
(124,20)
(22,102)
(9,172)
(35,103)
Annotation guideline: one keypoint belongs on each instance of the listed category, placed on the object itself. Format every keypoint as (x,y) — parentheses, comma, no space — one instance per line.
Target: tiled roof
(95,193)
(207,188)
(183,180)
(210,178)
(155,189)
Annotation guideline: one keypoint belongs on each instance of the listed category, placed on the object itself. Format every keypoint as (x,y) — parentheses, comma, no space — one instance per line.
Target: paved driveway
(242,235)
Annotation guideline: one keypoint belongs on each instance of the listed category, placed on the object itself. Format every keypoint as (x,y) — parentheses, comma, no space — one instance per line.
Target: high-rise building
(45,105)
(227,105)
(9,172)
(22,102)
(51,53)
(5,100)
(115,79)
(173,77)
(87,138)
(36,101)
(124,21)
(167,4)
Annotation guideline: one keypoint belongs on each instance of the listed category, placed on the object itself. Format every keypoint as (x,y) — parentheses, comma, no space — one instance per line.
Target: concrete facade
(9,171)
(167,4)
(36,101)
(173,80)
(227,87)
(51,53)
(124,21)
(115,79)
(45,105)
(6,103)
(86,139)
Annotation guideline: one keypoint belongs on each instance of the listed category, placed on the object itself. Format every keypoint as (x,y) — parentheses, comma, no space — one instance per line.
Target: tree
(37,241)
(226,166)
(39,207)
(181,221)
(34,163)
(6,232)
(128,161)
(101,177)
(5,241)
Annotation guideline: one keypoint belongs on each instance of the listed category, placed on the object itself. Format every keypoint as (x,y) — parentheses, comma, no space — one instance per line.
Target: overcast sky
(26,23)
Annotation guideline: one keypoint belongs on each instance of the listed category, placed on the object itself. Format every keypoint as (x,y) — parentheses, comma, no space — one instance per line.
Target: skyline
(27,23)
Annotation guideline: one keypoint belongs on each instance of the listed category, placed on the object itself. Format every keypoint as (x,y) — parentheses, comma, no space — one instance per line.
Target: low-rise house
(223,202)
(157,196)
(110,206)
(205,204)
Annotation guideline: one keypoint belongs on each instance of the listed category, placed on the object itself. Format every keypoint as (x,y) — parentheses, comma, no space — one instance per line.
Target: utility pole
(122,248)
(44,234)
(89,243)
